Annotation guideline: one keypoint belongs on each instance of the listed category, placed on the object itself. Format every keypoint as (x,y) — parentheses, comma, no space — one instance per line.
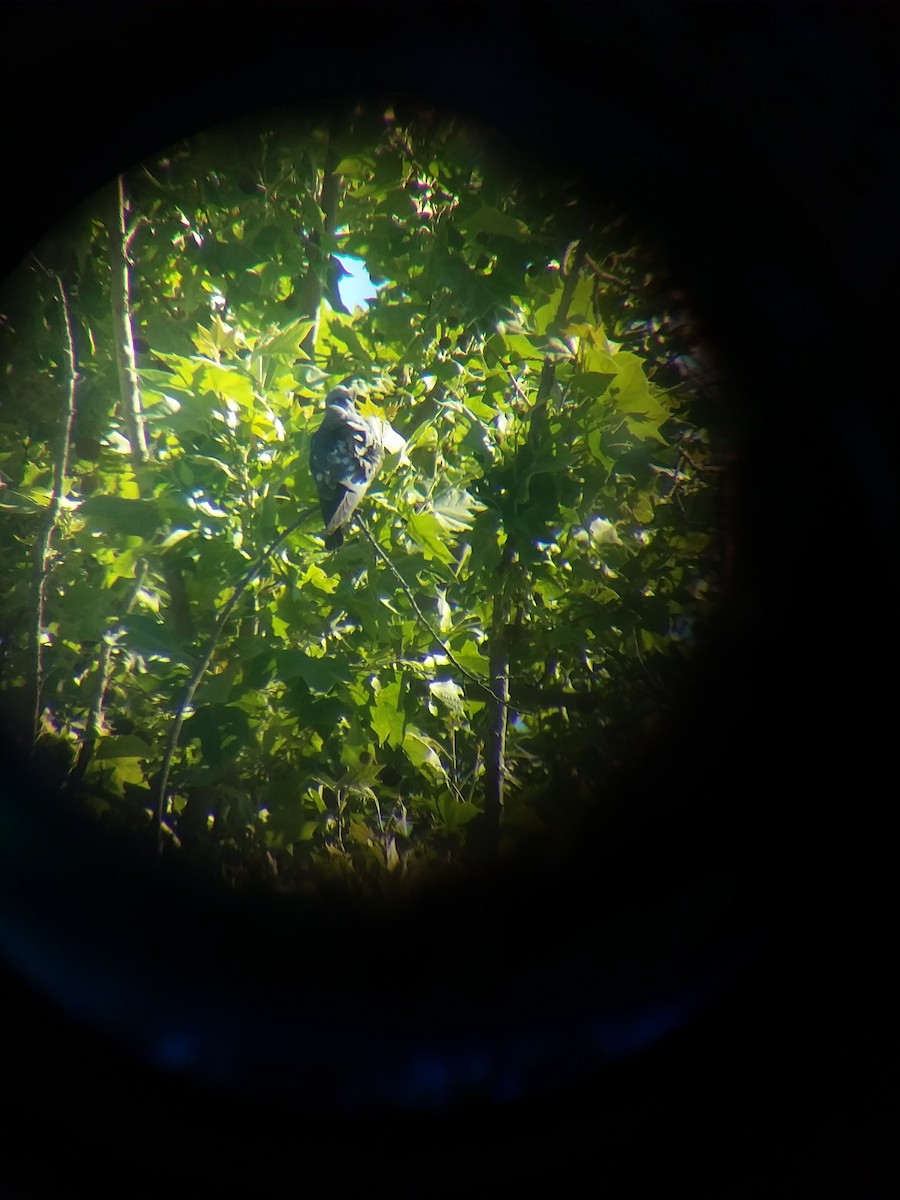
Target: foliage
(553,494)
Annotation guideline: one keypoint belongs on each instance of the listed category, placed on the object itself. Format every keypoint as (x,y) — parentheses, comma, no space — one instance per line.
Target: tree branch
(603,276)
(201,668)
(120,240)
(123,335)
(700,468)
(44,543)
(501,618)
(479,683)
(314,286)
(104,671)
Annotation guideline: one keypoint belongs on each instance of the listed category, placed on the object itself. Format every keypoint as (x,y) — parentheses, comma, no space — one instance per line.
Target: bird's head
(339,402)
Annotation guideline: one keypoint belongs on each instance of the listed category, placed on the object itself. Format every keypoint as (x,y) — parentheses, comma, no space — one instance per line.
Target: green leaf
(222,730)
(176,536)
(468,656)
(426,530)
(479,409)
(116,515)
(449,693)
(521,347)
(604,533)
(285,343)
(318,579)
(632,397)
(491,220)
(582,302)
(388,719)
(593,383)
(319,674)
(594,360)
(35,500)
(545,314)
(121,566)
(148,637)
(208,461)
(422,752)
(230,382)
(455,509)
(127,746)
(357,167)
(454,814)
(344,333)
(128,772)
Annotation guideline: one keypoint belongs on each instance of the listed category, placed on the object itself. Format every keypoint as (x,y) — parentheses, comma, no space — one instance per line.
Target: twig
(178,615)
(104,671)
(605,276)
(130,235)
(548,371)
(424,620)
(43,546)
(329,200)
(495,741)
(711,468)
(120,299)
(201,668)
(516,384)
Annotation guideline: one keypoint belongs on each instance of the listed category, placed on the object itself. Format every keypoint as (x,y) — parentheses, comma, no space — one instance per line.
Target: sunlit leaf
(491,220)
(332,731)
(34,501)
(455,814)
(455,508)
(422,752)
(388,719)
(126,746)
(449,693)
(427,531)
(228,382)
(176,536)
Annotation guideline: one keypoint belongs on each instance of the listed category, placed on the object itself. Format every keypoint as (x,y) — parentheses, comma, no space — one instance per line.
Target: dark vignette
(756,141)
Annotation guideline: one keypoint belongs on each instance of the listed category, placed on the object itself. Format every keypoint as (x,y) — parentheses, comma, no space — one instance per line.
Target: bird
(345,453)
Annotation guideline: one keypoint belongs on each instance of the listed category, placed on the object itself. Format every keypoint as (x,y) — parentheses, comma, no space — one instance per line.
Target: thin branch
(501,618)
(522,393)
(123,334)
(130,235)
(700,468)
(495,770)
(201,668)
(424,620)
(44,544)
(604,276)
(121,236)
(329,204)
(104,671)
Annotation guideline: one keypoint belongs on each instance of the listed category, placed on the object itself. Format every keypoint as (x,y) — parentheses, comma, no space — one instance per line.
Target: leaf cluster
(333,730)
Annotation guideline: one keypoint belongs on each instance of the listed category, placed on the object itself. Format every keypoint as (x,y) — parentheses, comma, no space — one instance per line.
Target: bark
(43,550)
(498,707)
(120,299)
(178,613)
(314,289)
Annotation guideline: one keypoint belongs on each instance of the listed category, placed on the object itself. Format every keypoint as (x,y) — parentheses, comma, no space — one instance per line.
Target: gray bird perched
(345,453)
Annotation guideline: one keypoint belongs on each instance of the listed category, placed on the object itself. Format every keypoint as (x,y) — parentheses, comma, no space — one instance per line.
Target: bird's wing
(345,453)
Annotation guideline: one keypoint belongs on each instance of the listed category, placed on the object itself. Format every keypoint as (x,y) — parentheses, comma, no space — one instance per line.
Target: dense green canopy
(545,541)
